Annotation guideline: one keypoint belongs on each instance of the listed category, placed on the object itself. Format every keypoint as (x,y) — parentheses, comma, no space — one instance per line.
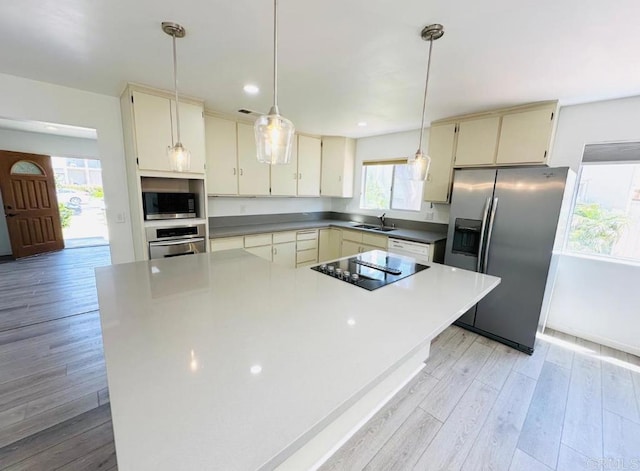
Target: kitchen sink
(375,228)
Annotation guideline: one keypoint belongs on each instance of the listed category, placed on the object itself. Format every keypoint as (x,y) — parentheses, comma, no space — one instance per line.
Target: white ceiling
(341,62)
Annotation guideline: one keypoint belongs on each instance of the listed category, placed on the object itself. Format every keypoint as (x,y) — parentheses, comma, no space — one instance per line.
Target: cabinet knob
(300,176)
(241,172)
(234,170)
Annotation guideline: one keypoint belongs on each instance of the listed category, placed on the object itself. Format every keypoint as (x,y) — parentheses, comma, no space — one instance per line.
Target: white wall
(39,101)
(389,146)
(597,300)
(226,206)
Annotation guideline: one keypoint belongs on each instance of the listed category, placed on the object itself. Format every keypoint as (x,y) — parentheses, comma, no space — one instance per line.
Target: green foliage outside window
(595,229)
(65,215)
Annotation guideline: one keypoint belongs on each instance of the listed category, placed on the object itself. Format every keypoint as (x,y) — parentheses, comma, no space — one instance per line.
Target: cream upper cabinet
(253,176)
(477,141)
(284,178)
(309,165)
(442,138)
(525,136)
(155,131)
(191,132)
(338,160)
(222,156)
(152,126)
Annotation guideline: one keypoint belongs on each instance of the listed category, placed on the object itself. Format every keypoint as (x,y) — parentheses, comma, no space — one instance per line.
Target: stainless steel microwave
(160,205)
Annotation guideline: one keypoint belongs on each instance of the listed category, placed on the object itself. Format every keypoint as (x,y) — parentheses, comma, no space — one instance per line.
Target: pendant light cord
(275,54)
(175,87)
(424,101)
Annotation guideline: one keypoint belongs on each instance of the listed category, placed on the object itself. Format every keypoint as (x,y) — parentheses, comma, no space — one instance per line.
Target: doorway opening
(80,201)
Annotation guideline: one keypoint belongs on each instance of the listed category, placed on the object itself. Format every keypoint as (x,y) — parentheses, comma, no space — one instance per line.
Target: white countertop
(226,361)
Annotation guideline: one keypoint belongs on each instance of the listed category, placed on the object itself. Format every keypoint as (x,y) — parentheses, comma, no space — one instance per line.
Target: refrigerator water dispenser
(466,236)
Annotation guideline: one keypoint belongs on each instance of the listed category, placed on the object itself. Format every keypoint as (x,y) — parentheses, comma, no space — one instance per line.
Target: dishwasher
(420,251)
(165,242)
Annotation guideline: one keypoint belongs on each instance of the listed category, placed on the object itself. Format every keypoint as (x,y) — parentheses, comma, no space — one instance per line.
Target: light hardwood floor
(573,405)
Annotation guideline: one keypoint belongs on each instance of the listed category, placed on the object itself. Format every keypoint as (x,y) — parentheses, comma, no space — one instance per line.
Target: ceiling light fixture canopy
(419,164)
(179,157)
(274,133)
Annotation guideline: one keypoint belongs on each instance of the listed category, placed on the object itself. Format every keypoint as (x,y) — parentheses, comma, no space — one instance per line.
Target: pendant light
(274,133)
(179,157)
(419,164)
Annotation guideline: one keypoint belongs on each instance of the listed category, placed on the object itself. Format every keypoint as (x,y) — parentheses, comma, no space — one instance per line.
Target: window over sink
(386,185)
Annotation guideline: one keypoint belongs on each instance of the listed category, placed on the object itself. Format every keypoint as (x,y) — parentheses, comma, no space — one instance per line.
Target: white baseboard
(634,350)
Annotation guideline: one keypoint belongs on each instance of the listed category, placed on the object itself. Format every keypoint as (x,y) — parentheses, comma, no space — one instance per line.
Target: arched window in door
(24,167)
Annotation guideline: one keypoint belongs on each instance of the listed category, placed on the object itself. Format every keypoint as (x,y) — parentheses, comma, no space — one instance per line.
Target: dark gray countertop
(427,237)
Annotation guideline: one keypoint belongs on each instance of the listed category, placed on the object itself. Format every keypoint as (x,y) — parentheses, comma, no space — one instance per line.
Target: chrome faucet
(382,219)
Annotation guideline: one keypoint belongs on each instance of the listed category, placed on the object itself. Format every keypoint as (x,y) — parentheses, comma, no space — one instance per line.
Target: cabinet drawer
(353,236)
(310,255)
(227,243)
(257,240)
(307,244)
(280,237)
(375,240)
(307,235)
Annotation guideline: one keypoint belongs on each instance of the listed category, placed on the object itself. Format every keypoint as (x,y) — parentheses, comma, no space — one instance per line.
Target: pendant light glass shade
(179,157)
(419,163)
(419,166)
(274,133)
(274,138)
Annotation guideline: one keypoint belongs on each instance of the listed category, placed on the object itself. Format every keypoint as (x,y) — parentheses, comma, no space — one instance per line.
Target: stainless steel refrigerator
(505,222)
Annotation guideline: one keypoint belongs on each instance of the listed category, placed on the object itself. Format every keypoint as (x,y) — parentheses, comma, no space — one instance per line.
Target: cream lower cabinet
(329,241)
(259,245)
(226,243)
(355,242)
(284,248)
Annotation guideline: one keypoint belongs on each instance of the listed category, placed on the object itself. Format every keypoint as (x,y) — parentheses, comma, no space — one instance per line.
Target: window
(606,216)
(386,185)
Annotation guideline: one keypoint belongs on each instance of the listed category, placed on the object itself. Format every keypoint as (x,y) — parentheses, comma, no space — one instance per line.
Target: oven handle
(176,242)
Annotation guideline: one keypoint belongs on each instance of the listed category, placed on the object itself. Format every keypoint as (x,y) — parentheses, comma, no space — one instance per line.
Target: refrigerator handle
(483,230)
(492,219)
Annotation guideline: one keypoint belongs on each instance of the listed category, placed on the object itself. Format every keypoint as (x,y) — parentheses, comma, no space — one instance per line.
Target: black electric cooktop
(371,270)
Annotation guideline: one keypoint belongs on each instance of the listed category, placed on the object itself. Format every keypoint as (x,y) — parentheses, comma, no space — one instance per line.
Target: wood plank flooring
(477,405)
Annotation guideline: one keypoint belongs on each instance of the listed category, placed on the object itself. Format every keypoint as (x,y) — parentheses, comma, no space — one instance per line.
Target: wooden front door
(30,203)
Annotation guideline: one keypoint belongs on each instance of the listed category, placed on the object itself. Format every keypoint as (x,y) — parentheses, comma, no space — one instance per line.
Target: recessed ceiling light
(256,369)
(51,128)
(251,89)
(362,124)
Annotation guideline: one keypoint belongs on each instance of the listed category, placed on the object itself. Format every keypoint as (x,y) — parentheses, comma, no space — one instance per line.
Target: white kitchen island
(227,362)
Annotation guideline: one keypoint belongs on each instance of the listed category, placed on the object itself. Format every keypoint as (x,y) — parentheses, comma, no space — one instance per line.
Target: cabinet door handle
(275,251)
(234,171)
(300,176)
(241,172)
